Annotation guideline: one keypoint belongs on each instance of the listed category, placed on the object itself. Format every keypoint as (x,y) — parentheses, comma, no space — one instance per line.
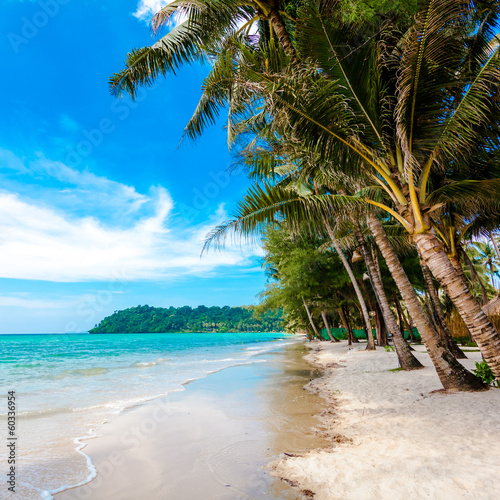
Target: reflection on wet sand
(213,440)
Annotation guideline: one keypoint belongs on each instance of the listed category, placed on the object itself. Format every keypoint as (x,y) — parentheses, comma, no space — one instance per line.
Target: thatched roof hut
(456,323)
(492,310)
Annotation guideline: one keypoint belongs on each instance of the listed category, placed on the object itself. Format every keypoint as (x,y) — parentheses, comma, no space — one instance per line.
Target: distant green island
(147,319)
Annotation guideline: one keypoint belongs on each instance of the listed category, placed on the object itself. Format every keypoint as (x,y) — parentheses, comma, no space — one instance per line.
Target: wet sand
(213,440)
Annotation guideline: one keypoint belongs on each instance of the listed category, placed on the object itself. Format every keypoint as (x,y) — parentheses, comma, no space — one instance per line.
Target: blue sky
(100,209)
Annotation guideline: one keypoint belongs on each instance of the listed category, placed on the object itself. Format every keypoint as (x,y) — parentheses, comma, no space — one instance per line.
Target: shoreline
(219,433)
(396,434)
(83,384)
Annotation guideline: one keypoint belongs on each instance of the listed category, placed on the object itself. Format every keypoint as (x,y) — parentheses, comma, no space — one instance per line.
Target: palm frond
(470,195)
(347,58)
(465,128)
(182,45)
(263,205)
(432,50)
(208,25)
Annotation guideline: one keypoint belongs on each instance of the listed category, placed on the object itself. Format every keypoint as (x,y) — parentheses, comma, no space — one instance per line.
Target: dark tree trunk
(451,373)
(437,312)
(406,359)
(344,317)
(480,326)
(403,322)
(379,318)
(279,27)
(370,341)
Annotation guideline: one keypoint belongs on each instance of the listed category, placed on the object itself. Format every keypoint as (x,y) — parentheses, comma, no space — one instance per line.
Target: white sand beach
(395,435)
(212,440)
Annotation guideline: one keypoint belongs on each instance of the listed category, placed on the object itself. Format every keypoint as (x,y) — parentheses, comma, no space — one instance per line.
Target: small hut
(492,310)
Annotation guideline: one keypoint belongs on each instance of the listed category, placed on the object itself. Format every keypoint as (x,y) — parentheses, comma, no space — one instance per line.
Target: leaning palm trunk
(403,321)
(475,277)
(380,326)
(347,325)
(318,336)
(438,313)
(451,373)
(479,325)
(406,358)
(369,336)
(325,321)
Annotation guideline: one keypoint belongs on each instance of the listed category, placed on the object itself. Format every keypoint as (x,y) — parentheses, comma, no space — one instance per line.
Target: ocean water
(68,386)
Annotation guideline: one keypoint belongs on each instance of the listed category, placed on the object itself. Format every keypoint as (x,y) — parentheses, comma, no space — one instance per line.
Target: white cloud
(8,160)
(44,239)
(79,187)
(31,303)
(68,124)
(147,8)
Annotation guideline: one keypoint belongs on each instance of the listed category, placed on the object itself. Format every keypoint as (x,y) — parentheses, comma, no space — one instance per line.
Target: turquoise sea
(68,386)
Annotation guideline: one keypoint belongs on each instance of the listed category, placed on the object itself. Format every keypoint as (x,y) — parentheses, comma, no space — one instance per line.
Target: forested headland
(147,319)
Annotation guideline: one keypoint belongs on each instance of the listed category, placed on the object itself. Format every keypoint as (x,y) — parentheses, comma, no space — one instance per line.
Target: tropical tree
(404,106)
(302,270)
(487,256)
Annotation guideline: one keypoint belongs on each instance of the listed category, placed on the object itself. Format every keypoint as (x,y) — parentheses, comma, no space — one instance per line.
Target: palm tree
(407,360)
(404,106)
(204,29)
(487,256)
(436,311)
(369,337)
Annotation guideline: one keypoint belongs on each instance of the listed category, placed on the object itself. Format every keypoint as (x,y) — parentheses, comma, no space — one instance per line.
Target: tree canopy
(147,319)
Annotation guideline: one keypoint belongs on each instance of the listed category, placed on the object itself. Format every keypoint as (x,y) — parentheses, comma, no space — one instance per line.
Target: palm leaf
(182,45)
(267,204)
(470,196)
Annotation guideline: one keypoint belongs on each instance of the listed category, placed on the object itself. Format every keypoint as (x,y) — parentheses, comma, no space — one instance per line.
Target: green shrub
(483,371)
(464,341)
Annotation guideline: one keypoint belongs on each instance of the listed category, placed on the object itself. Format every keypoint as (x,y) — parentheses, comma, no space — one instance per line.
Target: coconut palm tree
(487,256)
(405,105)
(402,104)
(199,30)
(407,360)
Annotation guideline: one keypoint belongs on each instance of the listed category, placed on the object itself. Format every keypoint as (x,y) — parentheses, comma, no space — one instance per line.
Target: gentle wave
(225,360)
(144,364)
(48,494)
(158,361)
(28,365)
(83,372)
(41,413)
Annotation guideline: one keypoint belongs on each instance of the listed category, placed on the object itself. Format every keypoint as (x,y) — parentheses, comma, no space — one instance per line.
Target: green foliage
(146,319)
(483,371)
(389,348)
(302,268)
(465,341)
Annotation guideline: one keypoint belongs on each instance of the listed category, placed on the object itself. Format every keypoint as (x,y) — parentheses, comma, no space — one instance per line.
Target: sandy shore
(393,437)
(213,440)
